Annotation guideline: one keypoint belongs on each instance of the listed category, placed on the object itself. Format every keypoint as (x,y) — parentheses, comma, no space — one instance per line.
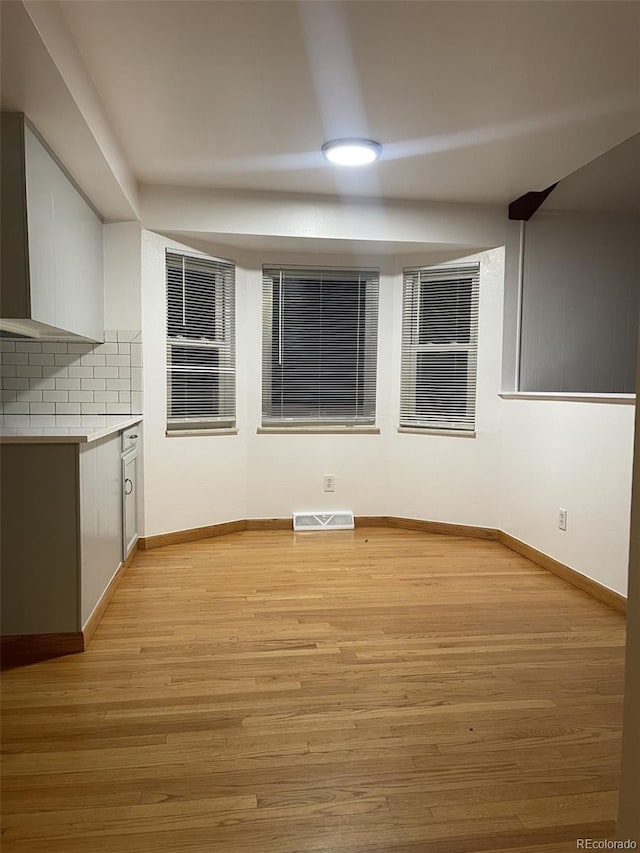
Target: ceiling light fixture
(352,152)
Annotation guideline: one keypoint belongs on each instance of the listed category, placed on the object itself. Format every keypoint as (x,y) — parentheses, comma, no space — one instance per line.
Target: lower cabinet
(100,516)
(68,514)
(130,483)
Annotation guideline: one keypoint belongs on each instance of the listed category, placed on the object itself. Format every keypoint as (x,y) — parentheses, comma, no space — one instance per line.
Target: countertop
(72,429)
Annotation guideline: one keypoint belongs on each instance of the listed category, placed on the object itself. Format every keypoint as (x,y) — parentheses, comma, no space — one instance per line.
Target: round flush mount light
(352,152)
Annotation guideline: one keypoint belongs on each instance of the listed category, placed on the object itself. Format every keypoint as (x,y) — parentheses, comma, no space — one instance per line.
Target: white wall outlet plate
(562,519)
(329,483)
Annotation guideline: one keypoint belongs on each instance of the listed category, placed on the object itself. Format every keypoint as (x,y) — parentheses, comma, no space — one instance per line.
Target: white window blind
(319,346)
(200,342)
(439,347)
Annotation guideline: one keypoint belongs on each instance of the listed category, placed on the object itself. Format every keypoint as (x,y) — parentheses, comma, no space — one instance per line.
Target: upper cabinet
(52,284)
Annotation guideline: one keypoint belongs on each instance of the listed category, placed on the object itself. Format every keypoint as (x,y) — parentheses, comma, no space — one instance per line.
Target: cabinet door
(65,248)
(100,518)
(129,502)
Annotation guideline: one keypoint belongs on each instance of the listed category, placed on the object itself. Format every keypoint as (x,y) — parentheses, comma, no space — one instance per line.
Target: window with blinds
(200,342)
(320,330)
(439,347)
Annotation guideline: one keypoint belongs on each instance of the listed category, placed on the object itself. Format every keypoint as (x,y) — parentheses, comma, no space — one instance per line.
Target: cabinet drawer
(131,437)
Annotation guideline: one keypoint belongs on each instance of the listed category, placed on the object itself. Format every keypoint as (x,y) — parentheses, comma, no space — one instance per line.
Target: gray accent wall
(580,302)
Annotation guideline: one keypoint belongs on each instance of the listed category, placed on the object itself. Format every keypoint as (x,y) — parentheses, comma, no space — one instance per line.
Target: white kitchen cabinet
(100,516)
(67,527)
(52,251)
(130,488)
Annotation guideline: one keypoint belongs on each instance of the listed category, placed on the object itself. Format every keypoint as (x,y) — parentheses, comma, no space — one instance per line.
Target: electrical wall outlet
(562,519)
(329,483)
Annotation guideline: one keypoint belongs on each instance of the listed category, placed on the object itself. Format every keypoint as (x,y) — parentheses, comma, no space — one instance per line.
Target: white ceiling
(473,101)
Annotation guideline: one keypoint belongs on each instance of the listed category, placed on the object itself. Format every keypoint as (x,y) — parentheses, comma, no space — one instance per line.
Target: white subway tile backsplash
(53,378)
(55,370)
(45,384)
(118,360)
(42,408)
(15,358)
(106,349)
(17,408)
(136,379)
(105,396)
(55,396)
(91,360)
(94,384)
(107,372)
(136,355)
(136,402)
(67,408)
(65,358)
(67,384)
(118,384)
(80,372)
(27,370)
(49,346)
(41,357)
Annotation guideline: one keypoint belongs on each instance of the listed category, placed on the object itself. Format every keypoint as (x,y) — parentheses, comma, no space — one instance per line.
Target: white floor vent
(323,521)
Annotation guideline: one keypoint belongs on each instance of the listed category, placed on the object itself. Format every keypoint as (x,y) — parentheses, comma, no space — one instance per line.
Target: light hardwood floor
(385,691)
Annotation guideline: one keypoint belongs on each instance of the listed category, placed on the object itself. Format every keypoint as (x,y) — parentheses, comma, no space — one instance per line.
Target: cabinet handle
(130,482)
(133,436)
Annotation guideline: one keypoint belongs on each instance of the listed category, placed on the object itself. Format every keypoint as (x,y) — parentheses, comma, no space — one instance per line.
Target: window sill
(562,396)
(318,430)
(453,433)
(179,433)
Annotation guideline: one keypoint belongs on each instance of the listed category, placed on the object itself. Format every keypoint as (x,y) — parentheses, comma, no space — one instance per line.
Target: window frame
(224,344)
(272,423)
(413,279)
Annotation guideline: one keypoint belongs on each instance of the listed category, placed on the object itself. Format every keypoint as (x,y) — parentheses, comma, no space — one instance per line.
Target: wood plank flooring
(375,691)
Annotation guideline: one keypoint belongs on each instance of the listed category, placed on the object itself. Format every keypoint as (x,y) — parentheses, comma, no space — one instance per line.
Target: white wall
(259,476)
(451,478)
(189,481)
(122,248)
(285,472)
(580,285)
(577,456)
